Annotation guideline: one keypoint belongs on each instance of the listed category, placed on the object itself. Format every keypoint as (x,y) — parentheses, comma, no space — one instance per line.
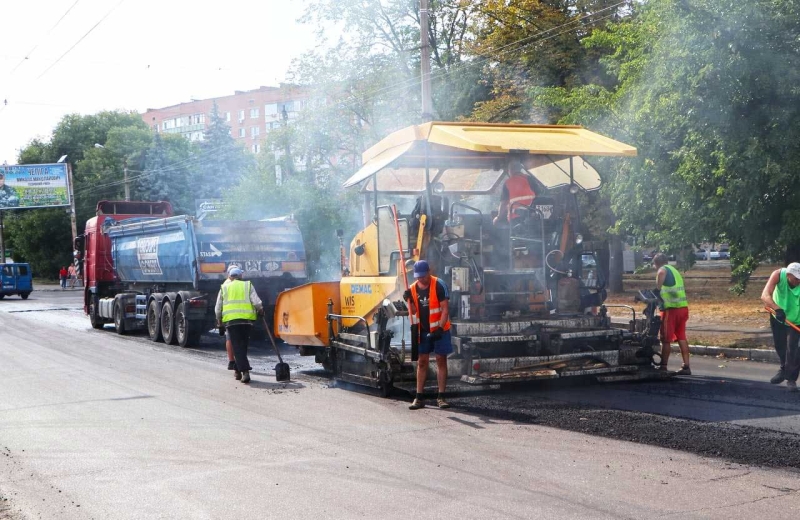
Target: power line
(28,54)
(80,40)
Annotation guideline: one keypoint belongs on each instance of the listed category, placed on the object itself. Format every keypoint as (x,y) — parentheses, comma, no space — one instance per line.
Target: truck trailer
(145,268)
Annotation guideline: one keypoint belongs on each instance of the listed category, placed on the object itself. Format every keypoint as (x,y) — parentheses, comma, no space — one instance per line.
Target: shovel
(789,323)
(281,369)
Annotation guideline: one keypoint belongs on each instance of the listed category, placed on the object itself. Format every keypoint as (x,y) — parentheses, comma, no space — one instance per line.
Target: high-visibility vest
(236,303)
(674,296)
(434,309)
(520,194)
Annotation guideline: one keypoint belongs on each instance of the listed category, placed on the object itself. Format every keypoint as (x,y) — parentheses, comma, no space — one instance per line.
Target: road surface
(95,425)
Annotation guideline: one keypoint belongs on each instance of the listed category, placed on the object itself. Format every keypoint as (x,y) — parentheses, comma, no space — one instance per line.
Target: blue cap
(421,268)
(235,272)
(232,267)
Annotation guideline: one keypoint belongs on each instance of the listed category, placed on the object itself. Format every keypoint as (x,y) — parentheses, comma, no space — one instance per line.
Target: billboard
(33,186)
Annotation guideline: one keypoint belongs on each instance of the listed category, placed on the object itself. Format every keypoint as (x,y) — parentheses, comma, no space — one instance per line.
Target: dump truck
(527,297)
(146,268)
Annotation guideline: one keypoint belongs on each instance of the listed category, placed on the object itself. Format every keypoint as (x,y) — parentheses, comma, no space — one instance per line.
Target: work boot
(231,365)
(245,377)
(791,386)
(778,378)
(684,371)
(417,404)
(237,374)
(442,403)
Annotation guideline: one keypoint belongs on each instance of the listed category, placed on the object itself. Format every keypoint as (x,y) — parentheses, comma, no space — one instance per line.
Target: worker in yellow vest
(782,293)
(674,312)
(237,308)
(428,300)
(228,344)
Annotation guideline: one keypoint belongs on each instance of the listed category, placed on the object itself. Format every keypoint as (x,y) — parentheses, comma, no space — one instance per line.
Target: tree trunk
(615,266)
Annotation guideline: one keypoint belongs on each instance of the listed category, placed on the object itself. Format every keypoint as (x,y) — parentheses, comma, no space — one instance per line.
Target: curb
(750,354)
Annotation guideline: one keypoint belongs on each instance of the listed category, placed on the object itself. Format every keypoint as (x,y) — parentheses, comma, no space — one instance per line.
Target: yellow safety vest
(236,303)
(674,296)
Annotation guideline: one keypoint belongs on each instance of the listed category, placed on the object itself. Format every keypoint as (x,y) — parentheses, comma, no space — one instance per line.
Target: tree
(695,90)
(220,161)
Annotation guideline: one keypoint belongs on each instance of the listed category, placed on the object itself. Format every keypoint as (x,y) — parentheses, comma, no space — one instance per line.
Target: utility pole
(127,187)
(427,99)
(72,216)
(2,242)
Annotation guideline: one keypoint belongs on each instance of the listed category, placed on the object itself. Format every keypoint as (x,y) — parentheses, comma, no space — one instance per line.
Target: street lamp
(124,172)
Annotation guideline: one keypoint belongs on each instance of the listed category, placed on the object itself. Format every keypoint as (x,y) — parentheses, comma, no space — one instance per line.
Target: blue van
(16,279)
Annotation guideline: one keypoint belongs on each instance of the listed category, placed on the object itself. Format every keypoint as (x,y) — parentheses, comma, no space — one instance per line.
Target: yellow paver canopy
(471,157)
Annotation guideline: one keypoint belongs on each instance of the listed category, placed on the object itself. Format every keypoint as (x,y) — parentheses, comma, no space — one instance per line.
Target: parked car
(724,254)
(700,254)
(714,254)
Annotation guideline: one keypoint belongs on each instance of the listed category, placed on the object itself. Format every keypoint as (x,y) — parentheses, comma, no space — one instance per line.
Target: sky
(85,56)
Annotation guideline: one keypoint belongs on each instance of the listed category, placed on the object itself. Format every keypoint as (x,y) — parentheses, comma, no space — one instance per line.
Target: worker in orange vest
(428,298)
(518,192)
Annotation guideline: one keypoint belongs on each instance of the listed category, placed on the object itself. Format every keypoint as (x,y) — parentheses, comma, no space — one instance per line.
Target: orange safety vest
(434,310)
(520,194)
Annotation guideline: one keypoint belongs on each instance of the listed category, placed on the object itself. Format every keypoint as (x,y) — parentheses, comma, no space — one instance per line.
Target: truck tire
(25,295)
(187,332)
(94,314)
(168,323)
(2,296)
(119,318)
(153,322)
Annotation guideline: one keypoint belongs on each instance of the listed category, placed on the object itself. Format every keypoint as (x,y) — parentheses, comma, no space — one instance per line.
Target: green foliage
(696,91)
(319,208)
(220,161)
(41,237)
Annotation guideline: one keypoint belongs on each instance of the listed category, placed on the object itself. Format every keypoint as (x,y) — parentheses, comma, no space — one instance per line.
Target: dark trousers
(787,345)
(240,339)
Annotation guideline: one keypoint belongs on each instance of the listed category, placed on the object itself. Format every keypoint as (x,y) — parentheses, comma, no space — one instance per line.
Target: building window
(241,115)
(255,131)
(253,113)
(227,117)
(270,111)
(241,132)
(256,148)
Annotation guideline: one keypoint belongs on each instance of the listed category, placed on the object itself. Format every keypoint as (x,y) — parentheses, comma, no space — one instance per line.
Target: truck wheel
(187,332)
(119,318)
(94,314)
(25,295)
(2,296)
(153,322)
(168,323)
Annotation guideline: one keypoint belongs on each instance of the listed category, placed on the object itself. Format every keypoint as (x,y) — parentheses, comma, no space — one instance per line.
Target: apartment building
(251,114)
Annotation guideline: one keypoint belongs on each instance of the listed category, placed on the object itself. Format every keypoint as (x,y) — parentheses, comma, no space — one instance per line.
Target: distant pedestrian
(62,276)
(782,293)
(674,312)
(73,276)
(237,308)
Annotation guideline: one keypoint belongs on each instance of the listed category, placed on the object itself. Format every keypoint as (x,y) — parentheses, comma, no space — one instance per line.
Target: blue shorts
(442,347)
